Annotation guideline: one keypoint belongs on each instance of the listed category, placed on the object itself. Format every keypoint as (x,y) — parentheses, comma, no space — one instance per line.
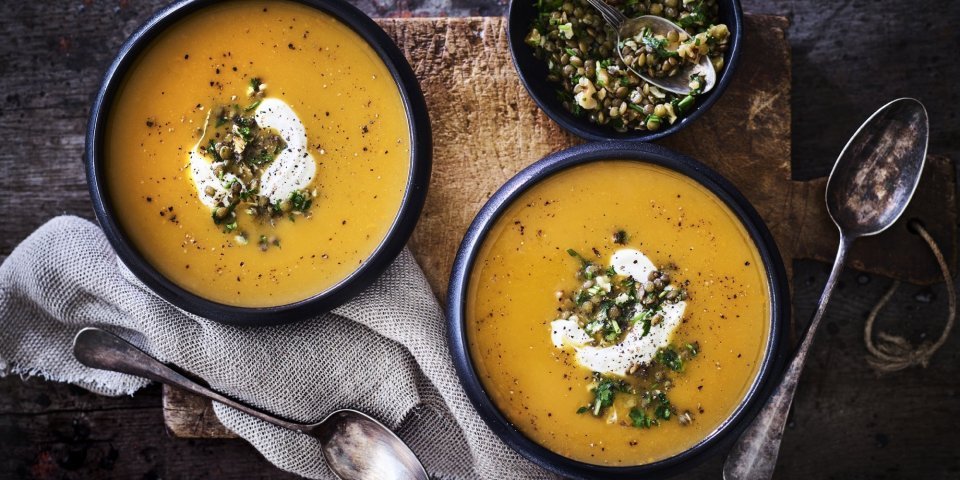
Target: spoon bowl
(356,446)
(870,186)
(628,28)
(679,82)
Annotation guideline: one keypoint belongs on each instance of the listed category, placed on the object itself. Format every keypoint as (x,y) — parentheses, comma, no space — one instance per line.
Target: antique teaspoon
(627,28)
(356,446)
(868,189)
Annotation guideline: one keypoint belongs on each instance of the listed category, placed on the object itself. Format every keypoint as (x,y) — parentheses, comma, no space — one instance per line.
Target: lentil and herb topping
(593,81)
(240,151)
(607,305)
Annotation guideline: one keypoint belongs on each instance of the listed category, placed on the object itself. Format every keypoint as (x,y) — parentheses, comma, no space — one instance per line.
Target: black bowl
(383,255)
(641,152)
(533,74)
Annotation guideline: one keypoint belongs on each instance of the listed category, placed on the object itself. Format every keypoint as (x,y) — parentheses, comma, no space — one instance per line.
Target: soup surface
(331,106)
(524,280)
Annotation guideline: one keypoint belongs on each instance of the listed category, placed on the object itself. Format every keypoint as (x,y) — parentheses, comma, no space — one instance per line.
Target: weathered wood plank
(849,423)
(189,416)
(53,431)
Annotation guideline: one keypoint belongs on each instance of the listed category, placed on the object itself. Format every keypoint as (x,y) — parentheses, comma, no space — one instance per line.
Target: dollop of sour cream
(292,170)
(635,348)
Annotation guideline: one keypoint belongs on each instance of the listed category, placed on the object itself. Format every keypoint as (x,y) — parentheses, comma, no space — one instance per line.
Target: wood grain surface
(847,422)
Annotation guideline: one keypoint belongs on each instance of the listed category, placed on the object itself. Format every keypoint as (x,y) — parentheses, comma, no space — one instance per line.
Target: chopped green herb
(646,322)
(686,103)
(668,357)
(663,411)
(658,45)
(245,132)
(604,393)
(581,297)
(260,158)
(212,151)
(300,201)
(575,254)
(640,418)
(620,237)
(701,81)
(696,18)
(221,214)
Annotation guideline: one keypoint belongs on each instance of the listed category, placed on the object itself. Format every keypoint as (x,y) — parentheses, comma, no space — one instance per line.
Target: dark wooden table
(848,58)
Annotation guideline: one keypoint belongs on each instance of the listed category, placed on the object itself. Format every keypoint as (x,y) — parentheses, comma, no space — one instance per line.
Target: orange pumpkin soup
(257,152)
(617,313)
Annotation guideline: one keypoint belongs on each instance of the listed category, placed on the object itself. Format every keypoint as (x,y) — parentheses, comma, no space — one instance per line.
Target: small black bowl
(416,189)
(770,367)
(533,73)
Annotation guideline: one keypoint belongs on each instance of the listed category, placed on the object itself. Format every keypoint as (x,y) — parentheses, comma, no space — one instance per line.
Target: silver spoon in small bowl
(869,188)
(356,446)
(679,81)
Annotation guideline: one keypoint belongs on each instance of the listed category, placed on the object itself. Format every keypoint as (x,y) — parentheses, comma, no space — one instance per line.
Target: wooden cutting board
(486,129)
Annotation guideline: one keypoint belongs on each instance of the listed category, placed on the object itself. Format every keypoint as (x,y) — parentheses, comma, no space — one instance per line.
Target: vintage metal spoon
(356,446)
(626,28)
(868,189)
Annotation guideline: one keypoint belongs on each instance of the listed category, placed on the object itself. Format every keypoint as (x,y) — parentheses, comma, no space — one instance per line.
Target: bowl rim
(774,354)
(580,126)
(418,177)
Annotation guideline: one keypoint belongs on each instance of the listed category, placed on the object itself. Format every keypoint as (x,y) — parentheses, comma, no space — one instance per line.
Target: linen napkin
(383,353)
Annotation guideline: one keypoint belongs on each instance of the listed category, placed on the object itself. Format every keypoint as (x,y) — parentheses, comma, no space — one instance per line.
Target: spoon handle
(613,17)
(100,349)
(754,456)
